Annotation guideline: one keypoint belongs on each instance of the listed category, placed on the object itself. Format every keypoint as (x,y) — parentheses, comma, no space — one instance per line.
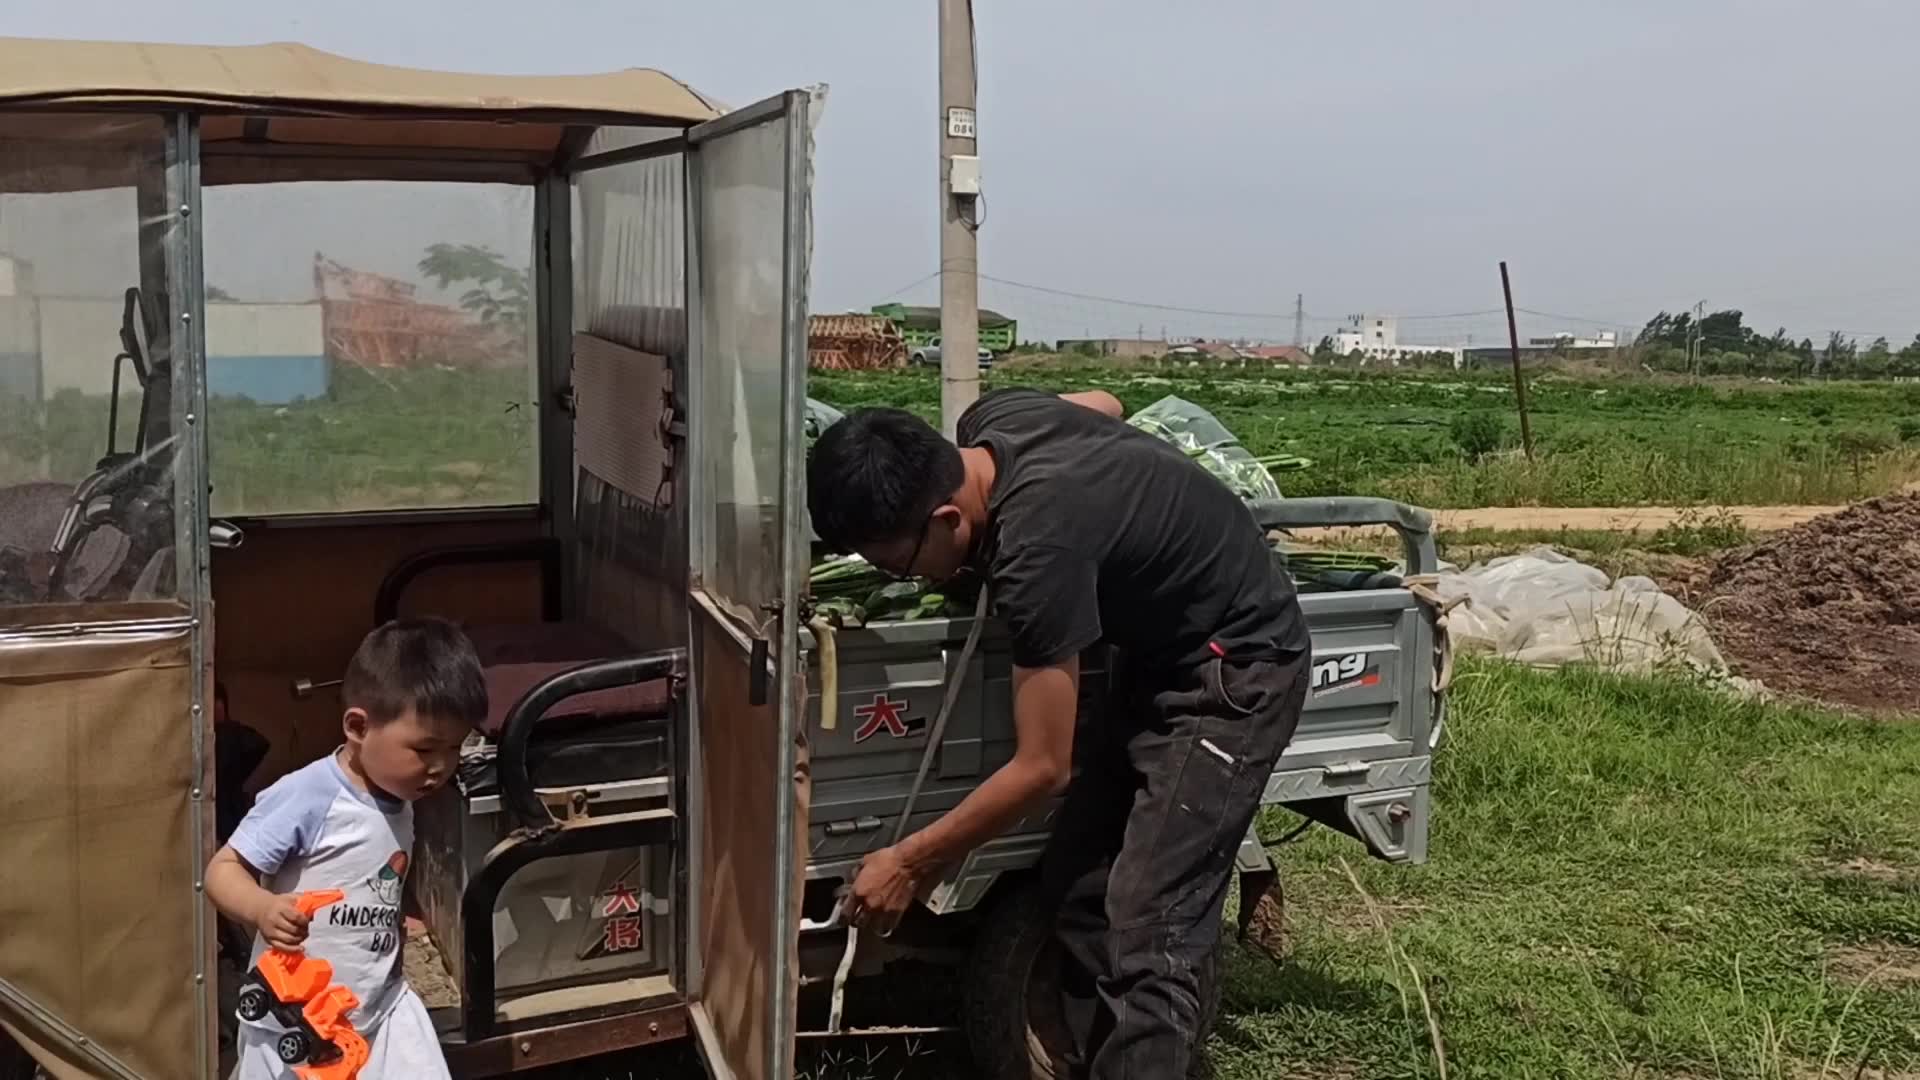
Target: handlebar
(516,732)
(545,551)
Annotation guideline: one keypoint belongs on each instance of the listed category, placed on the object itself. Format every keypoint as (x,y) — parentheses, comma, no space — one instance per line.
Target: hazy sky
(1227,154)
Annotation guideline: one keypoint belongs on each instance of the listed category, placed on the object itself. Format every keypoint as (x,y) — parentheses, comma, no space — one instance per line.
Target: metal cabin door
(748,241)
(106,809)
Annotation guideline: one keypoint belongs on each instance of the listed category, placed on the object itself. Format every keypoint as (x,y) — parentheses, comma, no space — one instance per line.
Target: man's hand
(1044,703)
(882,891)
(281,923)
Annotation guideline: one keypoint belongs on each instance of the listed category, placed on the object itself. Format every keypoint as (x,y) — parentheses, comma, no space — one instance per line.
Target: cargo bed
(1360,761)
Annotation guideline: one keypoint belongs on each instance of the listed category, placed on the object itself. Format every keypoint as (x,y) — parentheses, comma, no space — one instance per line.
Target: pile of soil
(1829,609)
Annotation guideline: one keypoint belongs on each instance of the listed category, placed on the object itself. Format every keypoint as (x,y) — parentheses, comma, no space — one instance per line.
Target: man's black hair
(423,664)
(875,476)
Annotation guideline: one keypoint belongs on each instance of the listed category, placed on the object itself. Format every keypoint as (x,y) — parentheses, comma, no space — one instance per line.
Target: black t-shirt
(1098,531)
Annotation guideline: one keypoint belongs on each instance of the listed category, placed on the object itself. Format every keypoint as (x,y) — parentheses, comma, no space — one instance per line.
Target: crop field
(1452,441)
(466,438)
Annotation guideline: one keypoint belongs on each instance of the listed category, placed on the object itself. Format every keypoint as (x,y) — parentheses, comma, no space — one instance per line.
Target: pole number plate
(959,123)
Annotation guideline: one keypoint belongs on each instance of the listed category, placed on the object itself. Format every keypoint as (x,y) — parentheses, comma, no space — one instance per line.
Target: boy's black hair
(876,474)
(423,664)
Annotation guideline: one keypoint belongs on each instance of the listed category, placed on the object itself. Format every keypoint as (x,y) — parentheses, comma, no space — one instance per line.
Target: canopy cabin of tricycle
(664,539)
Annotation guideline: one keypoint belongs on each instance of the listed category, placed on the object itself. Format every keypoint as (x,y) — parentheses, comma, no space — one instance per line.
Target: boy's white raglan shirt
(313,829)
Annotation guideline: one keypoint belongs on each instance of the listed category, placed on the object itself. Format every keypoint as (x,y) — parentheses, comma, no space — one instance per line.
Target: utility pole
(959,174)
(1519,383)
(1696,339)
(1299,320)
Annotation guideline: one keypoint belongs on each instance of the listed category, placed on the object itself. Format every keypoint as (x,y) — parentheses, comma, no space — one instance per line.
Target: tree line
(1721,343)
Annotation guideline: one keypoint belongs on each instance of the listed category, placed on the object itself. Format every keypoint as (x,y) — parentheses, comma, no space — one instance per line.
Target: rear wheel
(1012,1021)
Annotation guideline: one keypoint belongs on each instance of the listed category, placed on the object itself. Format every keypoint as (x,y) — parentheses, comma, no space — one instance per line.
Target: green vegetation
(1722,344)
(431,437)
(428,437)
(440,437)
(1447,441)
(1694,533)
(1629,877)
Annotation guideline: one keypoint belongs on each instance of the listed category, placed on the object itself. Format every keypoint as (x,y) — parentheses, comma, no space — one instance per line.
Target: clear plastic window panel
(371,346)
(89,421)
(742,223)
(630,286)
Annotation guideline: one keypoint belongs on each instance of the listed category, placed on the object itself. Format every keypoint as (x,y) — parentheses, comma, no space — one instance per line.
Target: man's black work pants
(1166,783)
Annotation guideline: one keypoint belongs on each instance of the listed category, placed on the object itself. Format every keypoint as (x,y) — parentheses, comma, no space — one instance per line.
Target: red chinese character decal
(621,900)
(882,712)
(622,934)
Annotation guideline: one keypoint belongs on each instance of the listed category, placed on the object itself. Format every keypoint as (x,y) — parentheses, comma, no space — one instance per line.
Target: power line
(1274,315)
(910,286)
(1454,315)
(1136,303)
(1575,318)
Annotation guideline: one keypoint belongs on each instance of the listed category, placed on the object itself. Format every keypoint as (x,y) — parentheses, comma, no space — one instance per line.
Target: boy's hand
(282,924)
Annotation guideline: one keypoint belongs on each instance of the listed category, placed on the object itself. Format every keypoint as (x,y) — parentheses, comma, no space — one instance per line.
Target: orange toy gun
(297,990)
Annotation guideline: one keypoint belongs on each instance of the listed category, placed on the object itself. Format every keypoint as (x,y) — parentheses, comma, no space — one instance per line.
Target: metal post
(1299,320)
(1519,384)
(959,258)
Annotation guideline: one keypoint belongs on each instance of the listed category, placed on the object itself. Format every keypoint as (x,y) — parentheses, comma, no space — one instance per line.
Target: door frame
(172,209)
(786,674)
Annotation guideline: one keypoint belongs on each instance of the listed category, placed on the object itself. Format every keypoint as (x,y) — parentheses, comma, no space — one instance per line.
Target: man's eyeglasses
(907,574)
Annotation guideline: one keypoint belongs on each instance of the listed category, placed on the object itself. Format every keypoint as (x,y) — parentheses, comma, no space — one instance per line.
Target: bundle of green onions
(1314,570)
(1359,561)
(848,591)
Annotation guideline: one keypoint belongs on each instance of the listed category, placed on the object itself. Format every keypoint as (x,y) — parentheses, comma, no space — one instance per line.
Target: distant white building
(1377,337)
(1605,339)
(1367,335)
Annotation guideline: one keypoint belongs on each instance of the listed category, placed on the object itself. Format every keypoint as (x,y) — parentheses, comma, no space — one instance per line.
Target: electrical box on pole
(959,204)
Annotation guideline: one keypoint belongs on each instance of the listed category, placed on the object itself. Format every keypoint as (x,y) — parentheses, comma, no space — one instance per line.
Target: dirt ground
(1759,519)
(1537,519)
(1829,609)
(426,971)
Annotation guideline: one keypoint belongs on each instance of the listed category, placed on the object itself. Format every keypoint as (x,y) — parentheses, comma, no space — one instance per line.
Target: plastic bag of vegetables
(1207,441)
(820,417)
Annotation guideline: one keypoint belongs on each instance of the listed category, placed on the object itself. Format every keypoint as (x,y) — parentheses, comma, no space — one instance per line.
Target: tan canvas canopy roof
(288,76)
(259,99)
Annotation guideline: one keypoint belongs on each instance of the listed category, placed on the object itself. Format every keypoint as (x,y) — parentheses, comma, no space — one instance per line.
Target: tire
(293,1047)
(1011,1022)
(254,1002)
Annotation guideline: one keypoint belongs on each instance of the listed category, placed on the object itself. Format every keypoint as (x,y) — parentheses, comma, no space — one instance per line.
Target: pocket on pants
(1239,688)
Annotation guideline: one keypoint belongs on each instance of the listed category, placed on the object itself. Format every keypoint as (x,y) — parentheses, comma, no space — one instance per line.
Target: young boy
(411,694)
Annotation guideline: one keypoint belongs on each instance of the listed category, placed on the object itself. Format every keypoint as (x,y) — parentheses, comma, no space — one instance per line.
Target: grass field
(1629,877)
(404,439)
(452,438)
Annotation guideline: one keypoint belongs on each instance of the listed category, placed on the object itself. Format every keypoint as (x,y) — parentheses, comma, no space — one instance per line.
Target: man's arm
(1045,705)
(1098,400)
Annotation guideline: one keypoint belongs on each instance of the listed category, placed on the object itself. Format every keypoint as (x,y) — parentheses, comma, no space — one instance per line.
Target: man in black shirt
(1089,531)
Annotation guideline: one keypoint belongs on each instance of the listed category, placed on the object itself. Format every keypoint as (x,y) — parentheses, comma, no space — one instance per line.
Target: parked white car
(930,354)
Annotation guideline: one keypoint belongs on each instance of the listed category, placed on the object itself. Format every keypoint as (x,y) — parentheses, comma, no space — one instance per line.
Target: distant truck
(921,326)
